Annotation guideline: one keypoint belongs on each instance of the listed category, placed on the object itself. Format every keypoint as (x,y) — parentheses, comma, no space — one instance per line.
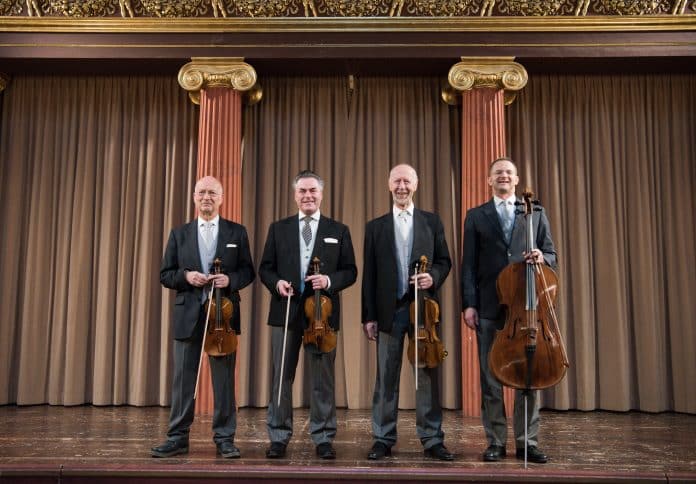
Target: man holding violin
(394,244)
(186,268)
(292,243)
(494,236)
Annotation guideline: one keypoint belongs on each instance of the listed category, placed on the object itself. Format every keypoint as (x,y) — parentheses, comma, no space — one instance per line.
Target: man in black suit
(494,236)
(290,246)
(186,268)
(394,243)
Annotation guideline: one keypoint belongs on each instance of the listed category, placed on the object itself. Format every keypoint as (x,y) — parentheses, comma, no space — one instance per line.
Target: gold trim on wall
(4,80)
(230,72)
(485,72)
(370,24)
(341,8)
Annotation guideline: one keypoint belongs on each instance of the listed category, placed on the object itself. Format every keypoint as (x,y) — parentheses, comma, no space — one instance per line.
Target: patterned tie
(507,219)
(307,231)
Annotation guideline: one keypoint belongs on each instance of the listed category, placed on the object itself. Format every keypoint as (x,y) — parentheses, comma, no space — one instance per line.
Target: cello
(528,353)
(318,311)
(425,349)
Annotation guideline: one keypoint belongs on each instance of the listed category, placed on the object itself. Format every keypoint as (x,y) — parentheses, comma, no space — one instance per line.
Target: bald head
(207,197)
(403,182)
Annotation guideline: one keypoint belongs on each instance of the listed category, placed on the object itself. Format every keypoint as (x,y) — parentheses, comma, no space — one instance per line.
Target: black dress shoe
(326,451)
(439,451)
(378,451)
(170,448)
(533,455)
(494,453)
(276,450)
(228,450)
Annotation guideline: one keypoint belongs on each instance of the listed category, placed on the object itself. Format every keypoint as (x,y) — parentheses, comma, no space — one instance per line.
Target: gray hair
(307,174)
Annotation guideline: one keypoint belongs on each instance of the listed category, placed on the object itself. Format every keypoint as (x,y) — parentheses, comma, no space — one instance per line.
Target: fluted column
(485,85)
(217,85)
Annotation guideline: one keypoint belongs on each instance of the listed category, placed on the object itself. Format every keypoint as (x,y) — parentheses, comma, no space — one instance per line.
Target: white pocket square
(231,245)
(330,240)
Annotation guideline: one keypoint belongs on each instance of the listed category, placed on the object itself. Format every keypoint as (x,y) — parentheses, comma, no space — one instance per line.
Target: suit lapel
(292,237)
(494,220)
(421,236)
(322,232)
(191,248)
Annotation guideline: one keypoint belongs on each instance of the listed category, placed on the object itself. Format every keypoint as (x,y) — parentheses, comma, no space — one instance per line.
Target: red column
(217,84)
(482,82)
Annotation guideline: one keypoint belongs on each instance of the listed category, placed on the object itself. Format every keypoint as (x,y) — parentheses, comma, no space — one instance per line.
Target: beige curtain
(614,161)
(351,137)
(95,172)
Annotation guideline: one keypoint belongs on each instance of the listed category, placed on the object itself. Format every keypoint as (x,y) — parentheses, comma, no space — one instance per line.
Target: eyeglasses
(210,193)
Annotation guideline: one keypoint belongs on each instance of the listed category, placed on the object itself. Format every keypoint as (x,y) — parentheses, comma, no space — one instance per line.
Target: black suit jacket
(380,267)
(486,253)
(281,260)
(182,255)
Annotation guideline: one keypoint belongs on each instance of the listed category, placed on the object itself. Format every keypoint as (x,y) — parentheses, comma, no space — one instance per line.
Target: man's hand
(425,280)
(219,280)
(534,256)
(471,317)
(284,288)
(370,329)
(318,281)
(197,279)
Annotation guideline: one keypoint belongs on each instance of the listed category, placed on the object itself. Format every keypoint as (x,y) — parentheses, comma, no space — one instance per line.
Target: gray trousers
(385,400)
(186,356)
(492,404)
(322,412)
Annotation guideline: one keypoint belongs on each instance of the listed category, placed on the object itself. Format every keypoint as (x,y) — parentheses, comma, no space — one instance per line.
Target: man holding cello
(186,268)
(394,244)
(494,236)
(305,307)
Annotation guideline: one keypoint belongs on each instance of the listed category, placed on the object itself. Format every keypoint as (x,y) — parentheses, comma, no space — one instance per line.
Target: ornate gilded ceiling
(342,8)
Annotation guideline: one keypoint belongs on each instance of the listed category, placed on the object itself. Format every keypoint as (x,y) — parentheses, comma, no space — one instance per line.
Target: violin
(425,316)
(528,353)
(318,310)
(220,338)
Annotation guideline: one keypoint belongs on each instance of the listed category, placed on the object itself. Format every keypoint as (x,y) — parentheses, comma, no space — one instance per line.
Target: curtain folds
(351,138)
(97,170)
(613,160)
(95,173)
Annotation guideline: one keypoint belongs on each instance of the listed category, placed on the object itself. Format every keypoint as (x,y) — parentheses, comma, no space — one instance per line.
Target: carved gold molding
(230,72)
(4,80)
(341,8)
(482,72)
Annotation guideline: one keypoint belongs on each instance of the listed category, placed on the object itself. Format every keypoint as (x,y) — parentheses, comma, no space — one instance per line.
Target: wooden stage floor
(112,444)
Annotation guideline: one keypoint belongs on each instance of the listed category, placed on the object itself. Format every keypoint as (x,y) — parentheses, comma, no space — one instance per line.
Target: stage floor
(112,444)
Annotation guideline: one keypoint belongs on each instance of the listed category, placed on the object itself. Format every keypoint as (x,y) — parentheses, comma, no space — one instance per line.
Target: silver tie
(207,234)
(307,231)
(507,219)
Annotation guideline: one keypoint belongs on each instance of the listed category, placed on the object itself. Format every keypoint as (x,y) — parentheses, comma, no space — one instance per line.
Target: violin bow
(285,339)
(415,324)
(205,331)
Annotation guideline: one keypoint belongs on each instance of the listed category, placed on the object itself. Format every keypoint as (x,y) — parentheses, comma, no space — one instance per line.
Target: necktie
(403,223)
(506,218)
(307,231)
(207,234)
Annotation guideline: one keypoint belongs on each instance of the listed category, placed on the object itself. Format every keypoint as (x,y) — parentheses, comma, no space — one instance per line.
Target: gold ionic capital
(486,72)
(4,80)
(229,72)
